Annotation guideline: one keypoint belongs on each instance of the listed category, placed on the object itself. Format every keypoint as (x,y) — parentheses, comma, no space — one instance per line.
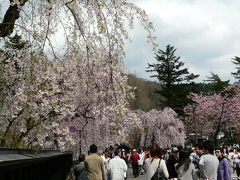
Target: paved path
(144,177)
(131,177)
(234,176)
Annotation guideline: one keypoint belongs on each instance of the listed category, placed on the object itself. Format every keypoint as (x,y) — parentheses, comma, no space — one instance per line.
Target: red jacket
(135,157)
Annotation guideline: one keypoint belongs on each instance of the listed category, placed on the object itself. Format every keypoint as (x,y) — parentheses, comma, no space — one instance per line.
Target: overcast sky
(206,34)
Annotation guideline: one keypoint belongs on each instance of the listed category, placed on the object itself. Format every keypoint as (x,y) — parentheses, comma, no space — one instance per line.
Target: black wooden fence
(18,164)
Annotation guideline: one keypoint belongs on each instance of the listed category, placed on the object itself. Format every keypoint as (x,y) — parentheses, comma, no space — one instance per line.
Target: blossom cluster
(215,112)
(68,88)
(162,127)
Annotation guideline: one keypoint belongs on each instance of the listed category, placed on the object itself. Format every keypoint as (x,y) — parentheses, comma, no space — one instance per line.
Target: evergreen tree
(216,83)
(236,61)
(173,77)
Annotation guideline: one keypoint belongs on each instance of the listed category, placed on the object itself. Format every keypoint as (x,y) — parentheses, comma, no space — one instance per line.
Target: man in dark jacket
(79,170)
(172,160)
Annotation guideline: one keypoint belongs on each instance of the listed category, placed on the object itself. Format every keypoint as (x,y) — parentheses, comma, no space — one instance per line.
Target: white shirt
(103,158)
(105,163)
(151,167)
(117,167)
(208,165)
(141,160)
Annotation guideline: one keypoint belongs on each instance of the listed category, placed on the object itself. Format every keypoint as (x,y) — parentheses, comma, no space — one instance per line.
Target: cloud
(205,33)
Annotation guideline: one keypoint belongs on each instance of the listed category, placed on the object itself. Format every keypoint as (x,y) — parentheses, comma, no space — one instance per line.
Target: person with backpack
(194,158)
(79,170)
(156,164)
(223,172)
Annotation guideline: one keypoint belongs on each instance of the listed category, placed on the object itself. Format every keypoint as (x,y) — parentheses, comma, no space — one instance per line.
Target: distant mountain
(145,98)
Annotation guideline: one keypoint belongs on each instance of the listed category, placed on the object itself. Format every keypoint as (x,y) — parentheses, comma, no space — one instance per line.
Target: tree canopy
(172,75)
(69,89)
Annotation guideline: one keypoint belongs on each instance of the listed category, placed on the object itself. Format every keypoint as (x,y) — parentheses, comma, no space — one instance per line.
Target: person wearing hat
(134,158)
(125,156)
(172,160)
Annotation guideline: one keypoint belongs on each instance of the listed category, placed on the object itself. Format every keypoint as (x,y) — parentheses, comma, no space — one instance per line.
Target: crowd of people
(202,162)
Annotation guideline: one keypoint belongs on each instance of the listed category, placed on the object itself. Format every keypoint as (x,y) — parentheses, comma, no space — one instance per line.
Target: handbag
(158,175)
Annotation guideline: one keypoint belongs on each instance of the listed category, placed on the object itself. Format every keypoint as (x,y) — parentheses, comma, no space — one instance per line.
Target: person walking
(208,163)
(238,164)
(102,155)
(172,160)
(140,161)
(231,159)
(117,167)
(94,165)
(185,168)
(107,156)
(124,155)
(223,172)
(194,158)
(155,162)
(235,160)
(79,170)
(134,158)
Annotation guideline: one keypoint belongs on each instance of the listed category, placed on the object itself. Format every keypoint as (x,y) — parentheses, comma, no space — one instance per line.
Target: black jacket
(171,167)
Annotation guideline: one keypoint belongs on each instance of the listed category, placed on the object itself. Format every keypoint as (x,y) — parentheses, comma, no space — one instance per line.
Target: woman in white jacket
(152,163)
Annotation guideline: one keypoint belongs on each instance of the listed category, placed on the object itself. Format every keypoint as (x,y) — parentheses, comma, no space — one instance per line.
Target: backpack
(158,175)
(195,161)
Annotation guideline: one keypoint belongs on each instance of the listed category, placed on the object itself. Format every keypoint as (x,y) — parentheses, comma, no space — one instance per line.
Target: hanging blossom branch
(86,77)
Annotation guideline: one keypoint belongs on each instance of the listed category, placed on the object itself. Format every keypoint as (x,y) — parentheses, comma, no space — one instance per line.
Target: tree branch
(11,15)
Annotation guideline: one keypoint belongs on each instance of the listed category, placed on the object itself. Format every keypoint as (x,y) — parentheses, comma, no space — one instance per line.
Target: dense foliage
(63,84)
(67,88)
(162,127)
(217,114)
